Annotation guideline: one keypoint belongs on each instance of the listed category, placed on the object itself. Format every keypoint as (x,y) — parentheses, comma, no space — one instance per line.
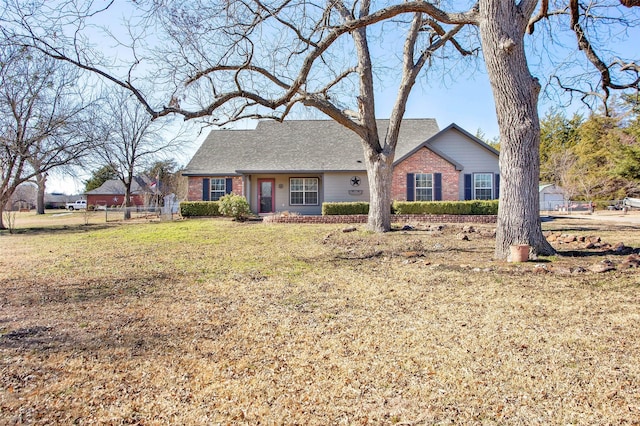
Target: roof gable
(431,144)
(295,145)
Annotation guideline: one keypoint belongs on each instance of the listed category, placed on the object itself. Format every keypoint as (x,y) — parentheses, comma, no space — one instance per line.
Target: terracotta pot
(519,253)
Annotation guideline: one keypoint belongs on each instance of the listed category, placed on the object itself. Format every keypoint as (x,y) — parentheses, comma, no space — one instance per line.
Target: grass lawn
(211,321)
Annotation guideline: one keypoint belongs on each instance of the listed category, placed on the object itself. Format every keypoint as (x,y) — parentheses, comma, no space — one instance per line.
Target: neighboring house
(23,198)
(295,166)
(57,200)
(552,197)
(111,193)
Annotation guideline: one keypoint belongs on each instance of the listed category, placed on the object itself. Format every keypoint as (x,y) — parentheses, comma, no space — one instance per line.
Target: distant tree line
(597,158)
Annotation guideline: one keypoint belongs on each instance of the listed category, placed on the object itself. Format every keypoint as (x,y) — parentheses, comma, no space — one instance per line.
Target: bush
(199,208)
(476,207)
(345,208)
(235,206)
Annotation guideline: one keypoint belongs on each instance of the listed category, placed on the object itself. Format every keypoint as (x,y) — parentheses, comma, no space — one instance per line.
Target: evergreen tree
(100,176)
(557,136)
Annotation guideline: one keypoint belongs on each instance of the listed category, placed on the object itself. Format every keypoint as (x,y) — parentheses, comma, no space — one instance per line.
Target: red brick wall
(398,218)
(195,186)
(425,161)
(113,200)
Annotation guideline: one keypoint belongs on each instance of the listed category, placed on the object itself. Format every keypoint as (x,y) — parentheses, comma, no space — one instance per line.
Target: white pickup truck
(77,205)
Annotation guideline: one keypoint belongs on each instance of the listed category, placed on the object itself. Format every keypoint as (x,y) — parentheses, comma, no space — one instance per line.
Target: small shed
(552,197)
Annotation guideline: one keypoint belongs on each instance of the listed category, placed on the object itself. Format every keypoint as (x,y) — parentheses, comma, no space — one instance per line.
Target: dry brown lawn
(215,322)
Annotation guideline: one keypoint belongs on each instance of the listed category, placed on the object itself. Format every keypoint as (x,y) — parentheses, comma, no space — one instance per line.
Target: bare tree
(237,60)
(39,111)
(130,140)
(234,60)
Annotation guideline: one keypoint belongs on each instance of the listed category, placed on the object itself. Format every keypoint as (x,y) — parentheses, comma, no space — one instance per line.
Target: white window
(483,186)
(424,187)
(218,188)
(303,191)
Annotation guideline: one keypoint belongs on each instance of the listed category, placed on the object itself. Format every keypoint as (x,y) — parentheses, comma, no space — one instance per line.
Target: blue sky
(466,100)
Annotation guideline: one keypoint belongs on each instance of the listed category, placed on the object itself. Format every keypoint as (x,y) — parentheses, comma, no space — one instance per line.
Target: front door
(266,199)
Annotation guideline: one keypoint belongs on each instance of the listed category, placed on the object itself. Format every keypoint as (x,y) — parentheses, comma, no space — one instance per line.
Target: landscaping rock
(604,266)
(633,261)
(620,248)
(560,270)
(350,229)
(410,254)
(540,269)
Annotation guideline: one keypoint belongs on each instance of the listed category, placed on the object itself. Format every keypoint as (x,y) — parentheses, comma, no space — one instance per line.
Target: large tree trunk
(502,25)
(41,180)
(379,174)
(127,204)
(127,197)
(2,205)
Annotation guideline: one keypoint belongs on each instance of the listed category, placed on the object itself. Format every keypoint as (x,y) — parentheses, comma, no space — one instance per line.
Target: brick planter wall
(398,218)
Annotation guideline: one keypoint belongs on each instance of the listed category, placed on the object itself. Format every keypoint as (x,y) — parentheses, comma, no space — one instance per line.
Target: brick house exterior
(425,161)
(197,188)
(111,193)
(295,166)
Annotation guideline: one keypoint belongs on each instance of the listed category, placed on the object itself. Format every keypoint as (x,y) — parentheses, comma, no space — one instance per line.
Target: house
(111,193)
(23,198)
(57,200)
(297,165)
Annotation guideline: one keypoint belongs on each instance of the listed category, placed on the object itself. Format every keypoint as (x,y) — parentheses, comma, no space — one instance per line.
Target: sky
(464,98)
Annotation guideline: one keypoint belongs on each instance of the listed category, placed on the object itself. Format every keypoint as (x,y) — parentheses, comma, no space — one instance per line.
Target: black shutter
(410,187)
(228,186)
(496,188)
(437,187)
(468,190)
(206,192)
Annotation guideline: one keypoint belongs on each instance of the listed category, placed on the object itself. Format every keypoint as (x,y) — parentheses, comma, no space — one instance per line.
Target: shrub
(235,206)
(476,207)
(345,208)
(199,208)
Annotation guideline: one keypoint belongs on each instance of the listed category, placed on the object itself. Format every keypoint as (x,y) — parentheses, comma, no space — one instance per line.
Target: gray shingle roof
(296,145)
(116,187)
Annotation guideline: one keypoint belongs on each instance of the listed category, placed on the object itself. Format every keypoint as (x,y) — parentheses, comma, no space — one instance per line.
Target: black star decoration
(355,181)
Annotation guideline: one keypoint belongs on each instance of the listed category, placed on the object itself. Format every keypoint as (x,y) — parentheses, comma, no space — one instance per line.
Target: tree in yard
(162,172)
(260,59)
(100,176)
(130,140)
(593,159)
(239,60)
(40,114)
(558,135)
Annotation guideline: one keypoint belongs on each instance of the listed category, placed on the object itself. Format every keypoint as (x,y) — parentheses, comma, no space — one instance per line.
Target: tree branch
(585,45)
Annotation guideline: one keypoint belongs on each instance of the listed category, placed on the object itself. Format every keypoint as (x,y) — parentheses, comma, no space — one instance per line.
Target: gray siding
(472,156)
(338,188)
(282,193)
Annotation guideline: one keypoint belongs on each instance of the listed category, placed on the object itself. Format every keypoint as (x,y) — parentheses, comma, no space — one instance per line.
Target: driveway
(631,217)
